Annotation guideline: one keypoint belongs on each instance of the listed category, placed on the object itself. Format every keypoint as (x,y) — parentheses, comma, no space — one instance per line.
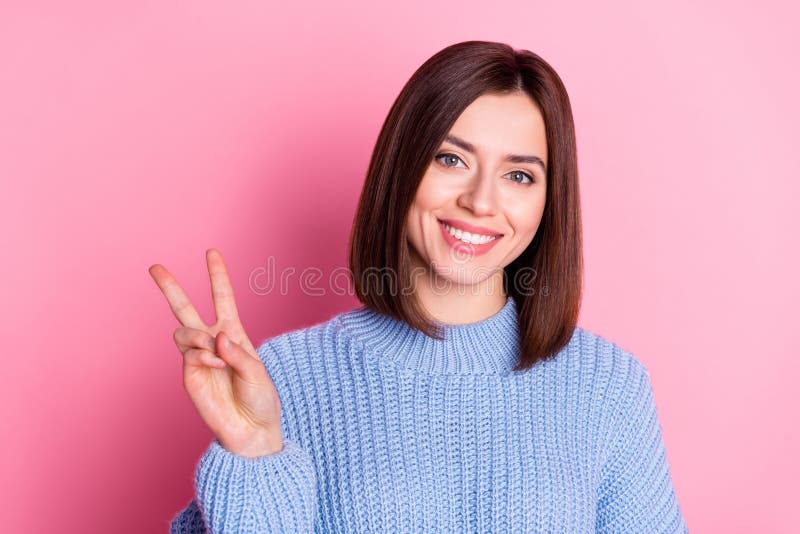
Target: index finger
(178,301)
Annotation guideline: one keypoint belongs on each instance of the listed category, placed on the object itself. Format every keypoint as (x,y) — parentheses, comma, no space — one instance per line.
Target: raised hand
(229,386)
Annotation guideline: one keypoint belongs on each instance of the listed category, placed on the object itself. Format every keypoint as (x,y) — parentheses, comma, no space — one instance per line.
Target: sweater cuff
(268,493)
(291,451)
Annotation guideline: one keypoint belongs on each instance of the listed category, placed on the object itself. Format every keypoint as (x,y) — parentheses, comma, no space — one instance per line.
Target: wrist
(259,446)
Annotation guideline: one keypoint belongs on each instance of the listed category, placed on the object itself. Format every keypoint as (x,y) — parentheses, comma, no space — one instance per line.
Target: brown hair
(421,116)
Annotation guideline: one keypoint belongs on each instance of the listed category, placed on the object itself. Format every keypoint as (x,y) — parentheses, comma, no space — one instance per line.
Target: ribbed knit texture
(388,430)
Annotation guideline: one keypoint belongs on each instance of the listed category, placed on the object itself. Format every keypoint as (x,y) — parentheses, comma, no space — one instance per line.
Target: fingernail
(226,341)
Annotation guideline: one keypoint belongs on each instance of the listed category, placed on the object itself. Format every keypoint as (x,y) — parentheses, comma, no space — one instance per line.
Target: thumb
(245,365)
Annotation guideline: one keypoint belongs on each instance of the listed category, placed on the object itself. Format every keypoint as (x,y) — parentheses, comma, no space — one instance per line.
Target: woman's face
(489,173)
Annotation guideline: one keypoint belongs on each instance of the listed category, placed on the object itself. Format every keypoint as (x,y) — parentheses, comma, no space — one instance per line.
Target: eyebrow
(513,158)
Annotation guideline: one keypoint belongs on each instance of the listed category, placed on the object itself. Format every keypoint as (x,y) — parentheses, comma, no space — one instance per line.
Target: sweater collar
(489,346)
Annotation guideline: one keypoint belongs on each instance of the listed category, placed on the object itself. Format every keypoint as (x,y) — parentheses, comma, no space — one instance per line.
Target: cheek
(426,198)
(435,191)
(413,224)
(526,217)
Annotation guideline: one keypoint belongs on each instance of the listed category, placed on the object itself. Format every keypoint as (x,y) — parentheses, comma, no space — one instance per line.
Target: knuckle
(181,333)
(202,339)
(192,355)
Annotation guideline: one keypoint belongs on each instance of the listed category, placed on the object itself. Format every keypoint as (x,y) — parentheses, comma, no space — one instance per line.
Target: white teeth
(474,239)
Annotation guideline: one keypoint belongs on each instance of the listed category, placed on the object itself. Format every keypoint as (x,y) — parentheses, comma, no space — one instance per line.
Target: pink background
(146,132)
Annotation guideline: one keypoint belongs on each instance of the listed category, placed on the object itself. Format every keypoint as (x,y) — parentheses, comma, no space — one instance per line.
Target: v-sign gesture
(228,385)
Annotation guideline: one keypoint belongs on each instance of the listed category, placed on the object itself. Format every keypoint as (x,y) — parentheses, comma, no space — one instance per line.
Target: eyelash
(462,161)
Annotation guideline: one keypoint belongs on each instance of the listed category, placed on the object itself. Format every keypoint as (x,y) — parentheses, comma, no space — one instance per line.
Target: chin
(467,274)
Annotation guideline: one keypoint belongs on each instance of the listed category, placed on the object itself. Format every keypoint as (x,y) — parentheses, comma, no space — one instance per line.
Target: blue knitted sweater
(388,430)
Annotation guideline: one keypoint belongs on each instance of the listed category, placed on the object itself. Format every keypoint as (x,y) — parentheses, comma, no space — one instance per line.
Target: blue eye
(448,157)
(524,175)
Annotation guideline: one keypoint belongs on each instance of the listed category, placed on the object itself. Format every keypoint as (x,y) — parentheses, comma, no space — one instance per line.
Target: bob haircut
(420,118)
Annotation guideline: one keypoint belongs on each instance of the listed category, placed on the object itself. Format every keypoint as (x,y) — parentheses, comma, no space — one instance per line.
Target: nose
(480,197)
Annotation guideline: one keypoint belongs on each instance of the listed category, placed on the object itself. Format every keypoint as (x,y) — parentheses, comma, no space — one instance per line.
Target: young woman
(461,396)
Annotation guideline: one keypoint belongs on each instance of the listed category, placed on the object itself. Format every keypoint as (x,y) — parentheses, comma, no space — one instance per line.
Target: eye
(449,158)
(522,177)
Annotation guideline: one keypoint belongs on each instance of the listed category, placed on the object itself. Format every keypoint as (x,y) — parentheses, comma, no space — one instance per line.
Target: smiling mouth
(467,237)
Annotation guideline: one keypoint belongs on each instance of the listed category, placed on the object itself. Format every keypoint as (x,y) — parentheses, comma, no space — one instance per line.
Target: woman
(461,396)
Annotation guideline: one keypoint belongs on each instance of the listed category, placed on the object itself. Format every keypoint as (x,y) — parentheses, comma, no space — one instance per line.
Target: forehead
(500,124)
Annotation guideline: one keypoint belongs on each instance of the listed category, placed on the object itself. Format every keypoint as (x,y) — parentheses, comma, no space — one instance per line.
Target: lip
(467,248)
(471,228)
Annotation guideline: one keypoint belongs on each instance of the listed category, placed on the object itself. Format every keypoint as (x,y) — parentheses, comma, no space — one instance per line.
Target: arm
(636,490)
(272,493)
(188,521)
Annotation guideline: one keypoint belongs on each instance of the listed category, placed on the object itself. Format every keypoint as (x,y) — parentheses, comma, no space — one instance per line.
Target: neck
(487,346)
(447,301)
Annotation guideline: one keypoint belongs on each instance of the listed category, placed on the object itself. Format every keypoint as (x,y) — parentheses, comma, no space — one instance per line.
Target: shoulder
(300,345)
(621,385)
(615,378)
(606,358)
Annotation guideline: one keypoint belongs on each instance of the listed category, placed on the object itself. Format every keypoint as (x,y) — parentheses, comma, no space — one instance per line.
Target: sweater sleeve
(636,490)
(272,493)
